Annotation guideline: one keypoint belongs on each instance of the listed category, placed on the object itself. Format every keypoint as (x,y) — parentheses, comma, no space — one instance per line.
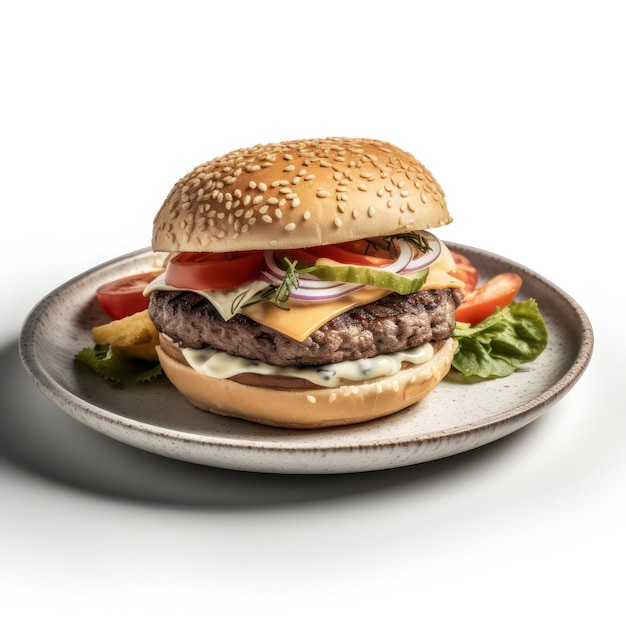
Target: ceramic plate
(454,418)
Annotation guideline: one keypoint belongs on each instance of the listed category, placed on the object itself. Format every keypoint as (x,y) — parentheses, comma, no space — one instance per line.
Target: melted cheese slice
(303,318)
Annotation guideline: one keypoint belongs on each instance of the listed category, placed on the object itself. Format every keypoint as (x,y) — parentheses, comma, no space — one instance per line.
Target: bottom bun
(311,408)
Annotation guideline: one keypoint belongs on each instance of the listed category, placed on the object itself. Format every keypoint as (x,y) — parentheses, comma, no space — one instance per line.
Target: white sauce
(219,364)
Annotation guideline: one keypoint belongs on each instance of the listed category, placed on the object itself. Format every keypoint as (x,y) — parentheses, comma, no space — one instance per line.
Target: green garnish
(278,295)
(415,238)
(116,368)
(502,343)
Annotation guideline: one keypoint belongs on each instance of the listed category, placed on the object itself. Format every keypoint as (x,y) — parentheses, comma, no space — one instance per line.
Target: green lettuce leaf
(502,343)
(116,368)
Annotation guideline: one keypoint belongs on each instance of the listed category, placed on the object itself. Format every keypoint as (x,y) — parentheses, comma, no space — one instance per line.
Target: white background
(517,108)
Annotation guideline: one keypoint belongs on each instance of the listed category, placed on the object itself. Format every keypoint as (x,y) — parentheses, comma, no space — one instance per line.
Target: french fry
(134,336)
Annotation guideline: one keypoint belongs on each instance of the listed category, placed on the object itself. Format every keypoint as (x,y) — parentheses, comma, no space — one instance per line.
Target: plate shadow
(39,438)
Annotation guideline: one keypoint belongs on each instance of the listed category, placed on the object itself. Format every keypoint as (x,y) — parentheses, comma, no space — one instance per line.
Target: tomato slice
(484,300)
(124,296)
(465,271)
(213,270)
(350,254)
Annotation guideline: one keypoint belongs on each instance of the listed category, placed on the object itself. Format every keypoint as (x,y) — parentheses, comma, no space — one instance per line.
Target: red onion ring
(311,288)
(428,258)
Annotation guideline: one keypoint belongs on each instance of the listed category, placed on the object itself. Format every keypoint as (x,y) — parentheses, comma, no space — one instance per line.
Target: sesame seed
(284,190)
(337,221)
(423,197)
(322,193)
(266,218)
(306,215)
(371,211)
(295,202)
(278,213)
(290,226)
(332,397)
(311,399)
(262,187)
(272,200)
(289,168)
(309,177)
(258,199)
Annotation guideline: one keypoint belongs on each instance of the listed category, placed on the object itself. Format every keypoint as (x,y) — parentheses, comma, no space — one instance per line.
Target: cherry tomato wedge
(213,270)
(483,301)
(465,271)
(348,254)
(124,296)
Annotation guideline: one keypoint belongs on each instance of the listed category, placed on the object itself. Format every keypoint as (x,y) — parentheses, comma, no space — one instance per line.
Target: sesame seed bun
(311,408)
(297,194)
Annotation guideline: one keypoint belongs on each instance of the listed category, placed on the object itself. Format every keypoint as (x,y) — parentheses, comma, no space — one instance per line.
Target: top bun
(296,194)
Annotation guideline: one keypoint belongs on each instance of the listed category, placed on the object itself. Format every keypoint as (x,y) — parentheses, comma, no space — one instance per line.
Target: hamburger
(303,286)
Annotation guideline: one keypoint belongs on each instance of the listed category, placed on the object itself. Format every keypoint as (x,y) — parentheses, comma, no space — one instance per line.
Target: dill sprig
(279,294)
(415,238)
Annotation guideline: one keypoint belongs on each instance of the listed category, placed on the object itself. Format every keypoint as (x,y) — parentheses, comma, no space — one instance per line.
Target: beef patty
(391,324)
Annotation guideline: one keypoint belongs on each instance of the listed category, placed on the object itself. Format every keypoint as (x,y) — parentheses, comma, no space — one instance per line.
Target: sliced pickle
(402,284)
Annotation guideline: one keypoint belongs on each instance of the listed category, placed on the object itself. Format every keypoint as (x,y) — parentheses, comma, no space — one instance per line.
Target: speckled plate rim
(267,453)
